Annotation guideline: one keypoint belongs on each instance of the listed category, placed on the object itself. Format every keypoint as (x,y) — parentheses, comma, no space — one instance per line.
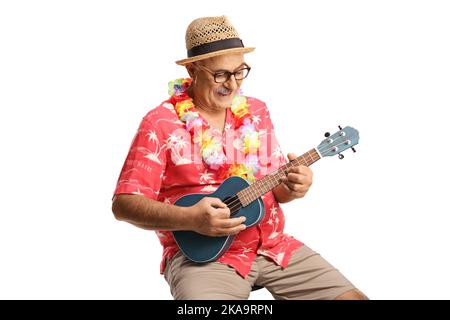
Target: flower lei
(210,144)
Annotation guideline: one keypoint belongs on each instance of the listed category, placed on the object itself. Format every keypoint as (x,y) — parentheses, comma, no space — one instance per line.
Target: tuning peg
(340,128)
(353,149)
(327,134)
(341,156)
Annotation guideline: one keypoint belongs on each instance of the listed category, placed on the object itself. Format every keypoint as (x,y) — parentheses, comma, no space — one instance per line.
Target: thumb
(216,202)
(291,156)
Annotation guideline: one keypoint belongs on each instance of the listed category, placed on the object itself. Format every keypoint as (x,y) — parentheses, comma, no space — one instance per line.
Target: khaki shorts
(307,276)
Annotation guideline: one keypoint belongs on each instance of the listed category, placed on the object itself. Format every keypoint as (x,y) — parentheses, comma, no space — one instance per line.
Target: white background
(76,77)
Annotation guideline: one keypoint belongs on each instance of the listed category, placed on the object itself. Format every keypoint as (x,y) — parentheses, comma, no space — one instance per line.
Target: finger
(234,222)
(297,178)
(303,170)
(296,190)
(284,182)
(295,169)
(308,174)
(293,179)
(292,156)
(231,223)
(222,213)
(238,229)
(216,202)
(230,231)
(286,187)
(295,187)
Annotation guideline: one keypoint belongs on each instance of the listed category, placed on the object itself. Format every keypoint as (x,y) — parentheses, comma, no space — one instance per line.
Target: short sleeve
(271,155)
(145,163)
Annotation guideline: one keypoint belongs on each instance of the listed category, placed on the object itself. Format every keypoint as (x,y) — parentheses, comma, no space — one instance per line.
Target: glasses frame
(227,73)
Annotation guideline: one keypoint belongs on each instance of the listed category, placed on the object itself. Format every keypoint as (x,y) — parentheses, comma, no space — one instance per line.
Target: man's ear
(191,70)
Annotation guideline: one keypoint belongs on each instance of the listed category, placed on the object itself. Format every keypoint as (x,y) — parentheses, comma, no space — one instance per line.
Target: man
(205,132)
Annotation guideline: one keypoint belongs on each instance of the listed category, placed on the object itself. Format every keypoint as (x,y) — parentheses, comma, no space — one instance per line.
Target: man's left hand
(298,180)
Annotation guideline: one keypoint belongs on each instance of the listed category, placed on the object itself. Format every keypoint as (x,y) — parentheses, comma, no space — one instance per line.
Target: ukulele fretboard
(269,182)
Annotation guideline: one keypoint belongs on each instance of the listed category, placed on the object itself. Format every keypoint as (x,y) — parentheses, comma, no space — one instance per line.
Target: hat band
(215,46)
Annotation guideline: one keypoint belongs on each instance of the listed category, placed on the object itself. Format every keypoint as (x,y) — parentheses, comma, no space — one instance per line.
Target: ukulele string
(236,203)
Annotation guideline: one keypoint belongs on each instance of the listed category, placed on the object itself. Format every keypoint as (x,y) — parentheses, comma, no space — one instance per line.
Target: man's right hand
(211,217)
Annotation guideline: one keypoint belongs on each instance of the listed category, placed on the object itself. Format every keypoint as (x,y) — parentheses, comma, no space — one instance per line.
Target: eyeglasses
(224,76)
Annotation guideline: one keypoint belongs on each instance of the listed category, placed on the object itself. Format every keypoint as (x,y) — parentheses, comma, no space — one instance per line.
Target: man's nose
(232,83)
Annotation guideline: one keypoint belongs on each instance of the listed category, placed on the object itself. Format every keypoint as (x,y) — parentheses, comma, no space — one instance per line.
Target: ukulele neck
(269,182)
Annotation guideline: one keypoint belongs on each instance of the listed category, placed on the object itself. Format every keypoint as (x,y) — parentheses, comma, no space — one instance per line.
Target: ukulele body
(200,248)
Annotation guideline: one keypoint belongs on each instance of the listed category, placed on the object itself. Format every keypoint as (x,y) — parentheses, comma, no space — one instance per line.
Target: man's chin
(225,102)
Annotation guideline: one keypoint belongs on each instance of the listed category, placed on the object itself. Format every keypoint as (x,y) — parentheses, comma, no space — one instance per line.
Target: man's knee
(354,294)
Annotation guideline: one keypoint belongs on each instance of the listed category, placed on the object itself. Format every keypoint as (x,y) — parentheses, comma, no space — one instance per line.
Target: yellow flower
(205,140)
(238,170)
(211,145)
(207,144)
(239,106)
(240,111)
(183,107)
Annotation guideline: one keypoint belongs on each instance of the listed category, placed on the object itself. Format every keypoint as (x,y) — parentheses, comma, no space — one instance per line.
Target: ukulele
(244,199)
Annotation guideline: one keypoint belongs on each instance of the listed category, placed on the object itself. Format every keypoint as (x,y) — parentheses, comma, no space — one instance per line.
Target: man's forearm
(150,214)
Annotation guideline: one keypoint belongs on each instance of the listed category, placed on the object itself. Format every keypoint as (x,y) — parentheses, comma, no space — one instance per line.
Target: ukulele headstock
(339,141)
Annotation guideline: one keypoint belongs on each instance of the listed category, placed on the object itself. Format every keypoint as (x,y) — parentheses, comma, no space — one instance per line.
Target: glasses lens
(221,77)
(241,74)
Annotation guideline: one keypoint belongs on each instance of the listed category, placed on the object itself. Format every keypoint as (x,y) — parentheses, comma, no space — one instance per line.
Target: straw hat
(209,37)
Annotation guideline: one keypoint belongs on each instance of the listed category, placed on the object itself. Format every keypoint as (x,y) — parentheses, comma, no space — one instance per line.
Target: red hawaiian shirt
(158,167)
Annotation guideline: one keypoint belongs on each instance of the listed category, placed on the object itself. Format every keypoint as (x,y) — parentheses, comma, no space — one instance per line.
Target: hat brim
(213,54)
